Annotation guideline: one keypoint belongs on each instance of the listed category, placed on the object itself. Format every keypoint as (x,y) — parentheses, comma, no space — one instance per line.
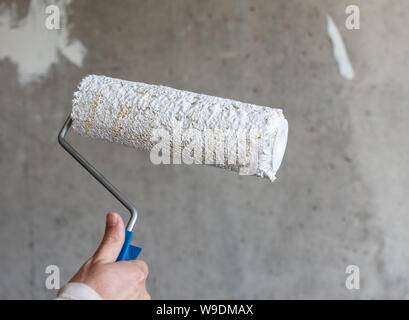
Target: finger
(140,268)
(141,293)
(113,240)
(146,296)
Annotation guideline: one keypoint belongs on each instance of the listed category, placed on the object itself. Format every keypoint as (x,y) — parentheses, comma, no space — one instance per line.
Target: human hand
(114,280)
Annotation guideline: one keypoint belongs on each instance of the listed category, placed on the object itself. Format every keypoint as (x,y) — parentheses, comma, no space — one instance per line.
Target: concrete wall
(341,194)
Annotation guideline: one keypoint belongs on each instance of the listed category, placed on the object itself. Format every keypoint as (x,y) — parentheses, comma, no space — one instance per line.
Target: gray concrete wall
(341,194)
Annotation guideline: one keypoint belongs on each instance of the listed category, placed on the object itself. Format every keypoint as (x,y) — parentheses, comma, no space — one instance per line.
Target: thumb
(113,239)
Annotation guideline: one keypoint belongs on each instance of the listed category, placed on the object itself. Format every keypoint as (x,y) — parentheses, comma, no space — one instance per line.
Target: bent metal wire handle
(97,175)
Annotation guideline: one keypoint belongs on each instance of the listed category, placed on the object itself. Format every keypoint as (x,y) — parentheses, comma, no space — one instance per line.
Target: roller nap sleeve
(129,112)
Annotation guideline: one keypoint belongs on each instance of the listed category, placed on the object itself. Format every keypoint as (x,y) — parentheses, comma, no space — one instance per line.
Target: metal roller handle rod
(97,175)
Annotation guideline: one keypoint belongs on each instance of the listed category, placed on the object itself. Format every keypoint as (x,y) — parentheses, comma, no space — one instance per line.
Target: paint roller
(224,133)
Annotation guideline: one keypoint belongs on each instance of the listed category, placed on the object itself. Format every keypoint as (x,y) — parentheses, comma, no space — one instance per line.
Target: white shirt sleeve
(77,291)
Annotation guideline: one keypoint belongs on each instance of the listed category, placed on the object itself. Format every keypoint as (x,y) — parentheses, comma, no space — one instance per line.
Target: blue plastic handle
(128,252)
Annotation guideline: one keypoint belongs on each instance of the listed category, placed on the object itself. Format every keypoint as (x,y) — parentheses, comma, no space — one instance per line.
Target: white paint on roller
(340,52)
(280,144)
(30,45)
(129,112)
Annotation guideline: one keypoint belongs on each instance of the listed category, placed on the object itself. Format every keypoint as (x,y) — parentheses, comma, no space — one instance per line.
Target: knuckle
(141,271)
(140,274)
(143,266)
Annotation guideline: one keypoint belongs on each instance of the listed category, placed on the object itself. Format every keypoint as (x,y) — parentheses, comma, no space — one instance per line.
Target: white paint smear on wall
(30,45)
(340,52)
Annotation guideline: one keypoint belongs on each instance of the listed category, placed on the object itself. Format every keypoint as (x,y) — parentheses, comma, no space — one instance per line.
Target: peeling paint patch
(31,46)
(340,52)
